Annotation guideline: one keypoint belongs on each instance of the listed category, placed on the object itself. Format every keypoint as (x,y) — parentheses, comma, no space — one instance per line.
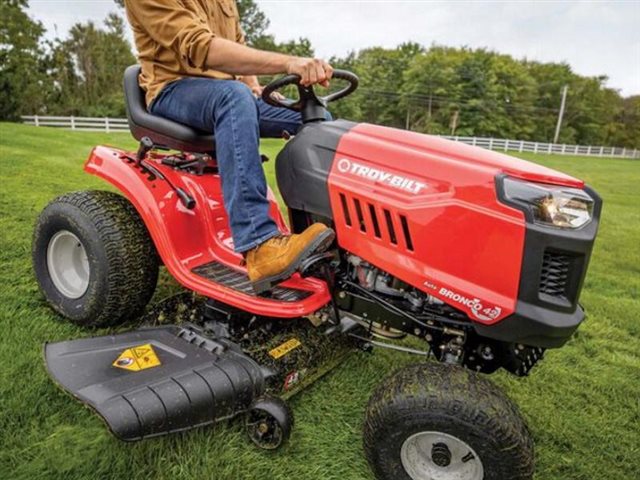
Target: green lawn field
(582,402)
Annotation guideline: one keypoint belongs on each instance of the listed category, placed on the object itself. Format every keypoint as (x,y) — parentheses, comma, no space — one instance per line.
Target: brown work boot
(279,257)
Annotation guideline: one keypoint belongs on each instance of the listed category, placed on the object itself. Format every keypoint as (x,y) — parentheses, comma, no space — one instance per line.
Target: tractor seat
(162,132)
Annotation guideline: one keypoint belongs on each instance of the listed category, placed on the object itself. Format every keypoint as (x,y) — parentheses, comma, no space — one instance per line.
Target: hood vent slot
(345,209)
(390,227)
(374,221)
(363,227)
(406,232)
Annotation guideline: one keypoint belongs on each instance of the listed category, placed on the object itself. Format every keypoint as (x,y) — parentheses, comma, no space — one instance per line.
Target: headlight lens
(556,206)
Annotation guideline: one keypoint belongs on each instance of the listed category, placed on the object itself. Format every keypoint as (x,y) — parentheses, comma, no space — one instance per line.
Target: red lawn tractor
(478,256)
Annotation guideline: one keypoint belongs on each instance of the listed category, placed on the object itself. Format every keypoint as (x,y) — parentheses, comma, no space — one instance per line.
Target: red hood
(439,148)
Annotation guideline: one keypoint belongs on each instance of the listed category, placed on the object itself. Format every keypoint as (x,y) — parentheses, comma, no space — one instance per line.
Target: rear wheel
(93,258)
(439,422)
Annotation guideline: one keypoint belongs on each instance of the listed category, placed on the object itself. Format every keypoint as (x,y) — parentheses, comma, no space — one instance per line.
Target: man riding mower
(480,257)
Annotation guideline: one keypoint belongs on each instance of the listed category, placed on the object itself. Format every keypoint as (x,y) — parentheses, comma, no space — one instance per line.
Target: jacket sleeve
(240,37)
(173,26)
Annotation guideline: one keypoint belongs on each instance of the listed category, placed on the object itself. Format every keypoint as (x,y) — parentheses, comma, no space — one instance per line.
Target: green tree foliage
(22,80)
(484,93)
(432,90)
(381,74)
(627,131)
(253,20)
(87,67)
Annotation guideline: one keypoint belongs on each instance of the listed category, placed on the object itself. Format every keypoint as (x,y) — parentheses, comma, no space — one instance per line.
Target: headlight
(556,206)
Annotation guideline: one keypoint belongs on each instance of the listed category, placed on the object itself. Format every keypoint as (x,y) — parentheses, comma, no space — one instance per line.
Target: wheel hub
(440,456)
(68,264)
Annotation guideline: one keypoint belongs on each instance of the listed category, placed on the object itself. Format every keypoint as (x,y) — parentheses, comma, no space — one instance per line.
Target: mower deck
(204,367)
(155,381)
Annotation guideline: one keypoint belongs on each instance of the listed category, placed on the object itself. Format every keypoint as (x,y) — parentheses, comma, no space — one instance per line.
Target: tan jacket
(173,36)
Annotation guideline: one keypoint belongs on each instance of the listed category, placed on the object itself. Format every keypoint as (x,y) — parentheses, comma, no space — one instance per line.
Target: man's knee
(237,93)
(236,99)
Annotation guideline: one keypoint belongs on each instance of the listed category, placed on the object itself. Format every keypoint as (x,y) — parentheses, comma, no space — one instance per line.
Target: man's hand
(310,70)
(252,82)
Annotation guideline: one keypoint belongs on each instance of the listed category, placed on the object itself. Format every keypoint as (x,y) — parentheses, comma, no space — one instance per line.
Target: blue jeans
(229,108)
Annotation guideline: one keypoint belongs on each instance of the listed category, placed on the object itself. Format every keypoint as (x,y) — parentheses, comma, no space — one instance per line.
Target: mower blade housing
(183,382)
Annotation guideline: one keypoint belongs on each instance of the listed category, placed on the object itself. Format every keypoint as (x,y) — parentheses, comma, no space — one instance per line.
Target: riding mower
(478,256)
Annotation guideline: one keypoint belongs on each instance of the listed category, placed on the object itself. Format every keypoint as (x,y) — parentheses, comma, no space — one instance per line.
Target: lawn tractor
(471,260)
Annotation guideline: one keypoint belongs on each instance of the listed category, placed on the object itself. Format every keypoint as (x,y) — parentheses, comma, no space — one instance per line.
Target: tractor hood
(435,149)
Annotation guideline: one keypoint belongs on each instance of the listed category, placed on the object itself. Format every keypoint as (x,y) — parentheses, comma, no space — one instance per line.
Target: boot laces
(279,240)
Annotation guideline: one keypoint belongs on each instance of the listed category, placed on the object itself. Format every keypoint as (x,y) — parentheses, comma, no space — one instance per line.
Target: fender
(186,239)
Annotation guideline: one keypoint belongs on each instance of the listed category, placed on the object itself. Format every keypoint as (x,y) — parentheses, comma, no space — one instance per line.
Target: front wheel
(439,422)
(93,258)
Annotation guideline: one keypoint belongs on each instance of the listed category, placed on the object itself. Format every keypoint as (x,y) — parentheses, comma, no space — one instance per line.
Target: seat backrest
(161,131)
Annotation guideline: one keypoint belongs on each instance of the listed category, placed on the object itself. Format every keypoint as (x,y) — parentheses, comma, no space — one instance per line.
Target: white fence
(105,124)
(85,124)
(554,148)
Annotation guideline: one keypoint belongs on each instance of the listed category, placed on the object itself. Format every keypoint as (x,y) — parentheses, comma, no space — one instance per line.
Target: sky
(594,37)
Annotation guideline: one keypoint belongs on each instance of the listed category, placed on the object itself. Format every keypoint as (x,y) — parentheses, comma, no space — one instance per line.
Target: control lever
(187,200)
(146,145)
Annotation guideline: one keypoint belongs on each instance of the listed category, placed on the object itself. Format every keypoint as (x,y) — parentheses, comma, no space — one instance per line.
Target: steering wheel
(307,96)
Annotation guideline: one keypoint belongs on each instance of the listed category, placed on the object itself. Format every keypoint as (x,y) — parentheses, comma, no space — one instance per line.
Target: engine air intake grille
(376,221)
(554,273)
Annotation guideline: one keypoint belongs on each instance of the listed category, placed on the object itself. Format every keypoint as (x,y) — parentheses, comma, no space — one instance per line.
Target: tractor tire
(439,422)
(93,258)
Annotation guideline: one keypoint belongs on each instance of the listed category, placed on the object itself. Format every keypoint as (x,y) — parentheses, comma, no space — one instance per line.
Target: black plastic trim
(303,166)
(543,320)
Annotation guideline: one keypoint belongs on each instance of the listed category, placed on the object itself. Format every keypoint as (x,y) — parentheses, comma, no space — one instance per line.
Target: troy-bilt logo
(475,306)
(396,181)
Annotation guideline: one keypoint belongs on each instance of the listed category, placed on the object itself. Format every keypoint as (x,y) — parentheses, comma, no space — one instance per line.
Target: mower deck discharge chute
(479,256)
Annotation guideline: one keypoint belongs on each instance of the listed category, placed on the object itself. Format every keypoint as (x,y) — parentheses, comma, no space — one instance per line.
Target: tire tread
(131,257)
(453,395)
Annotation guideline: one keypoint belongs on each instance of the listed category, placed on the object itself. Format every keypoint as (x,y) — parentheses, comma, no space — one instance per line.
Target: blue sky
(594,37)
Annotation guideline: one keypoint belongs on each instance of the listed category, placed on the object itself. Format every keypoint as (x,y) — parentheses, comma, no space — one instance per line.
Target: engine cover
(427,211)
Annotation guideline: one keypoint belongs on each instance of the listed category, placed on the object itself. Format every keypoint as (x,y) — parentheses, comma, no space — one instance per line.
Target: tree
(629,123)
(430,89)
(253,21)
(22,80)
(381,73)
(87,69)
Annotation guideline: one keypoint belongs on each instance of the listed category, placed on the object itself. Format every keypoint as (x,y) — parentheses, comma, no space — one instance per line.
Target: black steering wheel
(309,104)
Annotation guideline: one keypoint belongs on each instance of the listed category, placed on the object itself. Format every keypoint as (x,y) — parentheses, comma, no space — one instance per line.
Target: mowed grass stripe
(582,402)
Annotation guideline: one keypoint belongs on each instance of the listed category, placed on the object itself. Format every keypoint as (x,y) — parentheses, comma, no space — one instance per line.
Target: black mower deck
(182,381)
(165,379)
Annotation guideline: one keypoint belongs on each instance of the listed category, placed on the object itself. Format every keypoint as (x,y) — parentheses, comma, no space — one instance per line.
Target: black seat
(163,132)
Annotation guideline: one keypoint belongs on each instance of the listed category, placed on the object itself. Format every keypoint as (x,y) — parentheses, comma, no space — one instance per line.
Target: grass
(582,403)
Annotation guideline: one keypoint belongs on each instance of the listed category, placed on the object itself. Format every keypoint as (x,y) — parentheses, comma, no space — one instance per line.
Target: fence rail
(107,124)
(85,124)
(549,148)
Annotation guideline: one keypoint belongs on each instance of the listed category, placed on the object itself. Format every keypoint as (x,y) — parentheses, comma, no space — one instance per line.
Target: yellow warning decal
(137,358)
(286,347)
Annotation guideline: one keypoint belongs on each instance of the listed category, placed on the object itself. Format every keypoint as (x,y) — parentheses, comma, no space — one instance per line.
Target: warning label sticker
(286,347)
(137,358)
